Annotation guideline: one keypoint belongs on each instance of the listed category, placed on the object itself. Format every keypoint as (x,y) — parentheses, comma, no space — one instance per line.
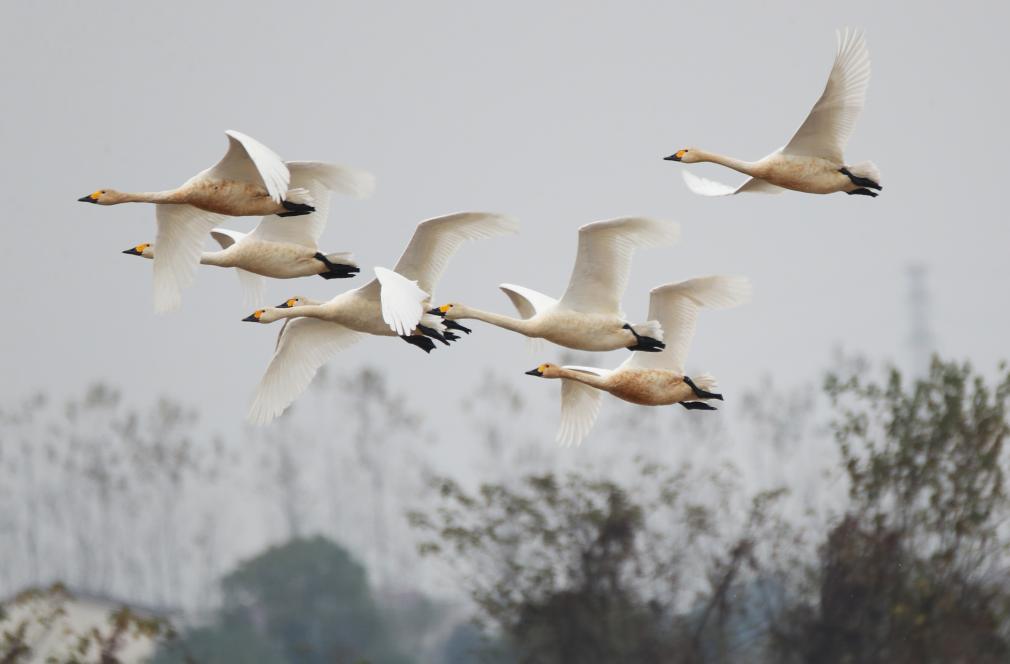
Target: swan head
(687,156)
(546,370)
(448,311)
(144,249)
(104,197)
(296,301)
(263,316)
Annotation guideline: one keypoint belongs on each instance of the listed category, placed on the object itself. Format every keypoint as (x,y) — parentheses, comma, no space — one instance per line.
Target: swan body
(588,317)
(648,379)
(813,161)
(250,179)
(392,304)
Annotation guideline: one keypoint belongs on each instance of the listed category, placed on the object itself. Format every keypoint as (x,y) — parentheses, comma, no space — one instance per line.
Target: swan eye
(542,368)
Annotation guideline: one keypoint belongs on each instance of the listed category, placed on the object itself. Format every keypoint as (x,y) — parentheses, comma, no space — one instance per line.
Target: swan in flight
(812,161)
(588,316)
(648,379)
(249,180)
(392,304)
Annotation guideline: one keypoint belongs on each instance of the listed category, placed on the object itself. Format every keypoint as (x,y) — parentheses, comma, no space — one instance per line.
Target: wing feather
(402,301)
(705,187)
(527,301)
(830,123)
(603,261)
(580,406)
(676,307)
(305,344)
(179,241)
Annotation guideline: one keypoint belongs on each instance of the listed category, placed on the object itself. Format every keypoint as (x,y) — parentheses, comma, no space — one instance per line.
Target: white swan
(648,379)
(249,180)
(392,304)
(812,161)
(588,316)
(284,248)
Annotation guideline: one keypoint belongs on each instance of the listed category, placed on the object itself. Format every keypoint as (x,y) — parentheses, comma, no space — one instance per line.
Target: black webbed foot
(433,333)
(862,192)
(644,344)
(697,405)
(422,342)
(860,181)
(335,270)
(700,393)
(295,209)
(453,325)
(450,336)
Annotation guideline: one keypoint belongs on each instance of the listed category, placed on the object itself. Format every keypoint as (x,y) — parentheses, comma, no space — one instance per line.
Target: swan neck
(216,258)
(582,377)
(171,196)
(745,167)
(519,325)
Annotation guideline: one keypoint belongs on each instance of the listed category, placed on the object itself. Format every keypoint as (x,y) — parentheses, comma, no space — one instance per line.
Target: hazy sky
(556,113)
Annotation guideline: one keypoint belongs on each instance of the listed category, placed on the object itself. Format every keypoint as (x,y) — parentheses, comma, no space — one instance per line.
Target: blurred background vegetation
(862,521)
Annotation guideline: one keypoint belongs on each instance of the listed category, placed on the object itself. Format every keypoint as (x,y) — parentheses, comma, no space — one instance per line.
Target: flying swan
(812,161)
(648,379)
(250,180)
(588,316)
(392,304)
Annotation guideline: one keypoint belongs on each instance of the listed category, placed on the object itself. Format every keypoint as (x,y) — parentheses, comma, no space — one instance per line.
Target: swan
(249,180)
(812,161)
(648,379)
(588,316)
(392,304)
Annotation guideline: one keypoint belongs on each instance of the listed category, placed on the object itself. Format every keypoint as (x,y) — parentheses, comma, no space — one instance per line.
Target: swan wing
(436,240)
(252,286)
(603,261)
(676,308)
(304,345)
(319,179)
(226,237)
(705,187)
(402,301)
(248,160)
(179,241)
(527,301)
(580,405)
(830,123)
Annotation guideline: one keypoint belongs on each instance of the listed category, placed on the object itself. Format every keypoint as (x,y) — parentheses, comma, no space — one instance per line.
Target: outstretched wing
(830,123)
(226,237)
(305,344)
(603,262)
(179,241)
(580,405)
(676,307)
(249,160)
(705,187)
(319,179)
(527,301)
(402,301)
(436,240)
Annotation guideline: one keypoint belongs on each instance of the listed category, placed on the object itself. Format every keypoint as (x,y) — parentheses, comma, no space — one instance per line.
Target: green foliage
(306,601)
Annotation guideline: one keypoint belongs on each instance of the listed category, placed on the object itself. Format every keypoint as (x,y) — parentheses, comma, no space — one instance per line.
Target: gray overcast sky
(556,113)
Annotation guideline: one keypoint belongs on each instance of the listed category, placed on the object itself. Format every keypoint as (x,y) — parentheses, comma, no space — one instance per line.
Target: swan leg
(335,270)
(858,180)
(697,405)
(644,344)
(453,325)
(862,191)
(295,209)
(700,393)
(422,342)
(433,333)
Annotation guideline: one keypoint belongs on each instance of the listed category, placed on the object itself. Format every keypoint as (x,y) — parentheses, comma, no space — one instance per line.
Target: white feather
(402,301)
(179,243)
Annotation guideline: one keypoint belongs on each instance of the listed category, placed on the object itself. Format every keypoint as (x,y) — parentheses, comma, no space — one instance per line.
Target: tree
(915,570)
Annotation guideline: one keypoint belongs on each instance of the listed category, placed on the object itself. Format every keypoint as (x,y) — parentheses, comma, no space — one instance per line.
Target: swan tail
(706,382)
(866,170)
(297,201)
(650,328)
(342,258)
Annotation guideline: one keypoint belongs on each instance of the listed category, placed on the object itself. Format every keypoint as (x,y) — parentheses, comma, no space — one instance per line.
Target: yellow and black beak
(287,304)
(676,156)
(437,311)
(135,251)
(90,198)
(535,372)
(254,317)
